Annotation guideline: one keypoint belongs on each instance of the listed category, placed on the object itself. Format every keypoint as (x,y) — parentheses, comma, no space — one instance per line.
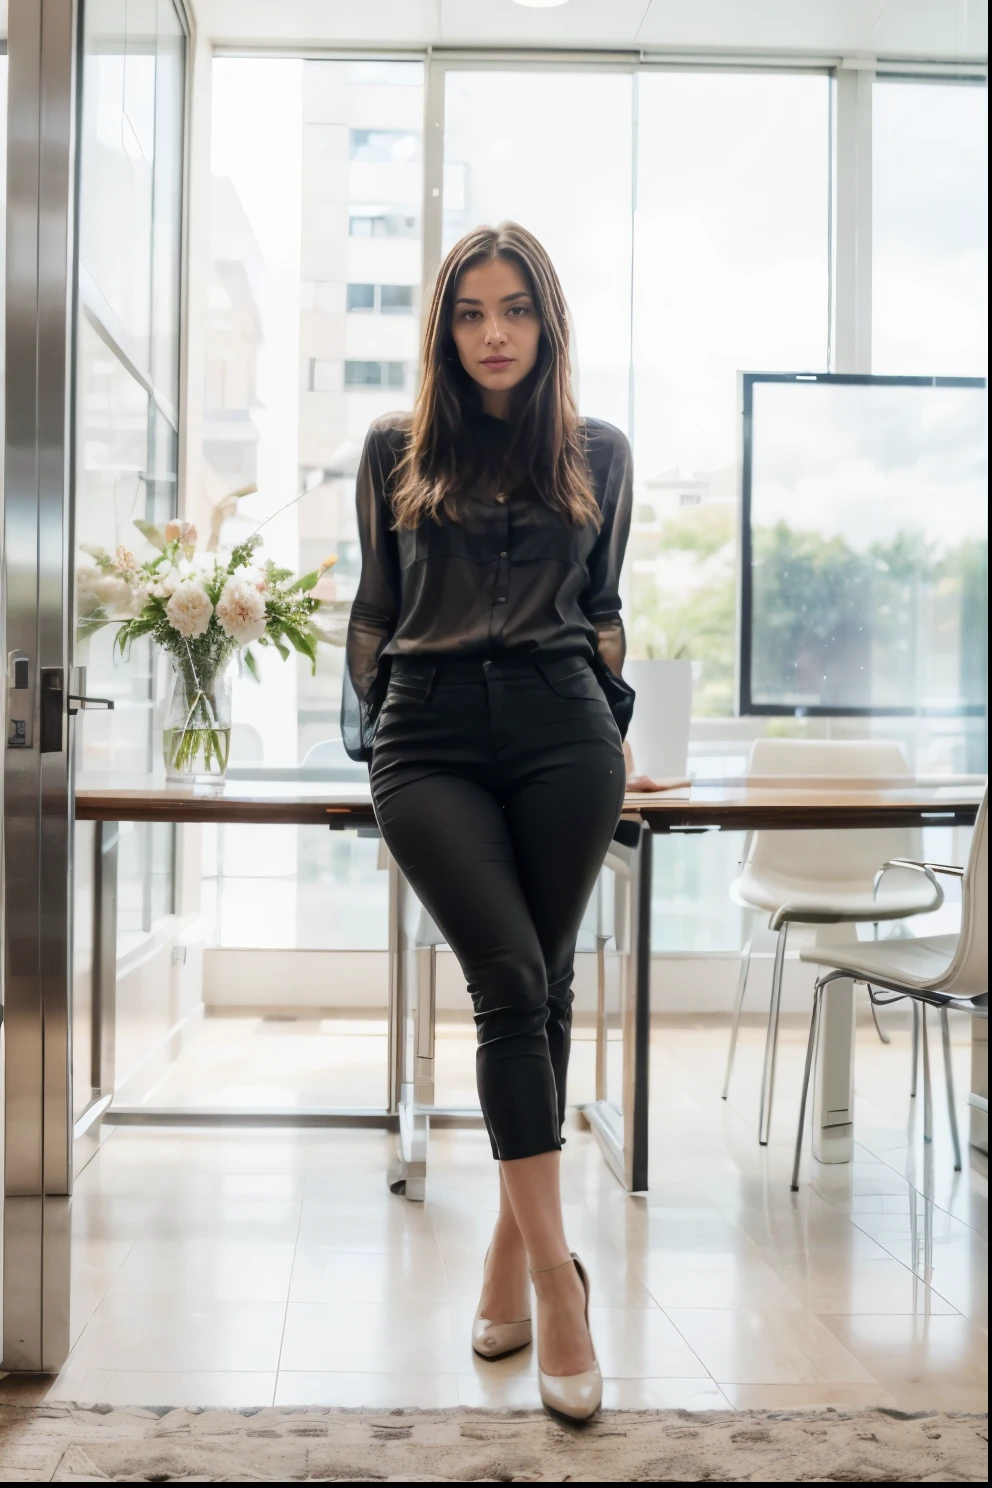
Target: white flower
(189,609)
(241,610)
(106,591)
(86,596)
(166,581)
(139,596)
(254,577)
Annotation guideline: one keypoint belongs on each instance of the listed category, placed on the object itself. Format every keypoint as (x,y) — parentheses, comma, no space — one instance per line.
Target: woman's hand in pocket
(637,782)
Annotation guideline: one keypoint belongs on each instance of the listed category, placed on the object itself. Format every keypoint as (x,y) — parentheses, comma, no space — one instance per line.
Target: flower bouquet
(203,609)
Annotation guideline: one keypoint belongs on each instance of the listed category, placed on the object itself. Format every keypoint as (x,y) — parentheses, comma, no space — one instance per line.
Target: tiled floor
(274,1266)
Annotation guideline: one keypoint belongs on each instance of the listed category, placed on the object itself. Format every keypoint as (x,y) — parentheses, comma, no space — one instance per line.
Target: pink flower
(181,532)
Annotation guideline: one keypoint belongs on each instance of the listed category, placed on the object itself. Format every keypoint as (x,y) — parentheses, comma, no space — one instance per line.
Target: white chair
(246,745)
(941,971)
(821,878)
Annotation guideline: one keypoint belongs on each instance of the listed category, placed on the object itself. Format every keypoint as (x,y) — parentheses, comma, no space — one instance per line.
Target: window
(125,463)
(574,132)
(374,374)
(371,222)
(361,297)
(315,212)
(325,377)
(930,228)
(387,299)
(383,146)
(731,246)
(866,545)
(396,299)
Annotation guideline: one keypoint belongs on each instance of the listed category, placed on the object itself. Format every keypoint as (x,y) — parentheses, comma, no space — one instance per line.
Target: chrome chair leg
(874,1018)
(945,1034)
(738,1005)
(927,1088)
(916,1050)
(814,1023)
(771,1041)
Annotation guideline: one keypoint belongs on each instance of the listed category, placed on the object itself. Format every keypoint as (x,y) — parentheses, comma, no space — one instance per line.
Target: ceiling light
(540,4)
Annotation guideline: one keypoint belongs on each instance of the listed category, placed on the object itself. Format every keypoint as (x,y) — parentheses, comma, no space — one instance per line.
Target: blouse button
(503,555)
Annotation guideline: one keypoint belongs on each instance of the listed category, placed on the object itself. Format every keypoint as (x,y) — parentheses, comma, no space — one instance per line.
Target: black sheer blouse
(508,575)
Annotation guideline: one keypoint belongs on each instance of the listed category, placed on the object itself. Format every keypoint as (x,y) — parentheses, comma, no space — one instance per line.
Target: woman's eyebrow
(520,294)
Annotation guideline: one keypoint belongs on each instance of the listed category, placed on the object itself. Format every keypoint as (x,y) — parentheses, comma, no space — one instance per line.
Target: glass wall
(930,228)
(312,331)
(731,274)
(689,216)
(560,164)
(126,388)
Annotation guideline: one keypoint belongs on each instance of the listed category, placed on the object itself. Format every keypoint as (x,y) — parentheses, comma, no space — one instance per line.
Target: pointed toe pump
(577,1396)
(492,1340)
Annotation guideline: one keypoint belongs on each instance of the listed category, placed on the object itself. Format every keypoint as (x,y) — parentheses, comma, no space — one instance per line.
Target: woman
(484,657)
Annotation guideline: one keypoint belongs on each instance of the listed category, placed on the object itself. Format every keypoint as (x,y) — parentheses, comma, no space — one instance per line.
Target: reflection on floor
(256,1266)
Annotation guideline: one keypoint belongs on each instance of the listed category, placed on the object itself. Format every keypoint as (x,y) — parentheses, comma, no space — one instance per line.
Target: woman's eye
(519,310)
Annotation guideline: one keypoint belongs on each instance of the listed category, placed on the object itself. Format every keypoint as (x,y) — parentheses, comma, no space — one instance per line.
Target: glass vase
(196,740)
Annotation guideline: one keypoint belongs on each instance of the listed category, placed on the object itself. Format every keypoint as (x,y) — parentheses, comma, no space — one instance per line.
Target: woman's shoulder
(601,436)
(604,445)
(390,431)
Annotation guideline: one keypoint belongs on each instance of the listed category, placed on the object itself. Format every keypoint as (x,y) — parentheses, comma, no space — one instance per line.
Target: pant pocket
(572,677)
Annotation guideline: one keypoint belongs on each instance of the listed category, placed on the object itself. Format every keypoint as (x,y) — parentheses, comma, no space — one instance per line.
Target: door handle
(55,705)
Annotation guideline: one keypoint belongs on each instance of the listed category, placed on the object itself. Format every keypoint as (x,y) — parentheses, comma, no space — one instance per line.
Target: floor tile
(807,1397)
(223,1269)
(322,1274)
(638,1343)
(853,1286)
(177,1334)
(334,1337)
(738,1346)
(232,1389)
(375,1391)
(95,1264)
(686,1279)
(925,1363)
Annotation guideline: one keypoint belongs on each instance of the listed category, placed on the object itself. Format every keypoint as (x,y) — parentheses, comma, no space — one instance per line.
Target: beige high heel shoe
(577,1396)
(492,1340)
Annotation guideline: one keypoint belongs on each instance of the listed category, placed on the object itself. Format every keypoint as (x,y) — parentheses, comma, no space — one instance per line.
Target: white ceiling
(929,29)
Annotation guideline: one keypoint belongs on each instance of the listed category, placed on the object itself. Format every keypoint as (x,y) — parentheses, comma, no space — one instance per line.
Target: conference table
(620,1122)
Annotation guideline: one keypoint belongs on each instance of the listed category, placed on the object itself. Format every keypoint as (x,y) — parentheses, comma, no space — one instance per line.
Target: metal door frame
(43,50)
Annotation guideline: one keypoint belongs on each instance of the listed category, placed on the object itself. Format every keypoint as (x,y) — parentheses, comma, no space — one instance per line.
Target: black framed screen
(864,545)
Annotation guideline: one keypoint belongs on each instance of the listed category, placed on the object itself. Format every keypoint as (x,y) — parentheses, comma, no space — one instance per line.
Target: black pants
(497,786)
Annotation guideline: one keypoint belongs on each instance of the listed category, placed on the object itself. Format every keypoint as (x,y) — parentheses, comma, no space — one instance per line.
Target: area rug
(97,1444)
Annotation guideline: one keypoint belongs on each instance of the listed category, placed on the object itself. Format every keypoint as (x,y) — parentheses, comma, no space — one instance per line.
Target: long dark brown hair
(545,448)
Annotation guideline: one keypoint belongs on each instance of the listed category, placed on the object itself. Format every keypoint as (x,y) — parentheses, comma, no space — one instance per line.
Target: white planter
(659,730)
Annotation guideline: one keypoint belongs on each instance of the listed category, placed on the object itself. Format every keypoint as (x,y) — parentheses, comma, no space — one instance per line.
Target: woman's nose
(495,333)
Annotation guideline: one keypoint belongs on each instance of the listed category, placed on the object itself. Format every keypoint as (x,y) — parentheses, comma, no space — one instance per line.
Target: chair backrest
(330,758)
(850,858)
(246,745)
(968,973)
(869,758)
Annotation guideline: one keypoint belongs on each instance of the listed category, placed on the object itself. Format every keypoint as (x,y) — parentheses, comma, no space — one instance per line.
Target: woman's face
(496,330)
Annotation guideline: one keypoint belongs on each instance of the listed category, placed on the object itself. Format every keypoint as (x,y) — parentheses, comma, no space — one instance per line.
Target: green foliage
(821,607)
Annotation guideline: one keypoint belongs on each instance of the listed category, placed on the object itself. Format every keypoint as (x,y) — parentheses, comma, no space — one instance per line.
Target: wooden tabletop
(784,804)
